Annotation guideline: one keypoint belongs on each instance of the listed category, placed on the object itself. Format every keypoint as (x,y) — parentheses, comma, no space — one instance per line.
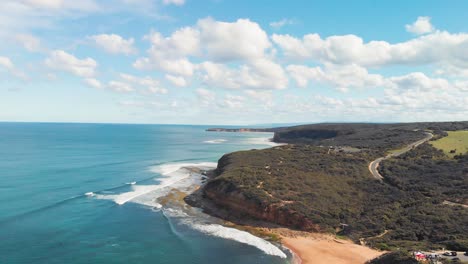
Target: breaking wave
(215,141)
(240,236)
(223,232)
(263,141)
(175,175)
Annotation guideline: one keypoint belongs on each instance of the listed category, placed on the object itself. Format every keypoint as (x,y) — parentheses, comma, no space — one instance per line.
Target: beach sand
(324,249)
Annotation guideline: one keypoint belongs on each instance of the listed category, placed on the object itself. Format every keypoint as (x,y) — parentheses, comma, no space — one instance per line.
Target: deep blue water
(45,170)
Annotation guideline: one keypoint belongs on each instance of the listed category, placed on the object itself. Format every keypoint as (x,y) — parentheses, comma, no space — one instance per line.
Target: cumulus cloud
(421,26)
(216,44)
(242,40)
(233,41)
(438,47)
(419,81)
(176,80)
(341,77)
(115,44)
(169,54)
(63,61)
(262,74)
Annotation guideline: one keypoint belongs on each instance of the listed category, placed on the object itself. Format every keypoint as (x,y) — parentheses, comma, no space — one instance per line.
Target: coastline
(305,247)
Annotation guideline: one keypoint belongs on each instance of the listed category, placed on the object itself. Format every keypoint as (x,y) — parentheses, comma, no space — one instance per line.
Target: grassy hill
(455,143)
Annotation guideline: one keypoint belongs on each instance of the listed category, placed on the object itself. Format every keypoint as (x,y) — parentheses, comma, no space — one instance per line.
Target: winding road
(374,165)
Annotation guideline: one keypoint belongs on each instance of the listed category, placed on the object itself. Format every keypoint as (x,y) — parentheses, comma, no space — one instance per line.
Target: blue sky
(233,62)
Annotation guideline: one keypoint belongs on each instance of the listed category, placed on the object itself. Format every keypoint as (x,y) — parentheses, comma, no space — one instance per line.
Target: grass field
(456,140)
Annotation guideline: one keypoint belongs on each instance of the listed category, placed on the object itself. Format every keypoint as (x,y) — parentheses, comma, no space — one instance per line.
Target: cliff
(228,194)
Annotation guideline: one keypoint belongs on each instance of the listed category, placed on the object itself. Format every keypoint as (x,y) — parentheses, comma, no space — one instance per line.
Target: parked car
(450,253)
(466,253)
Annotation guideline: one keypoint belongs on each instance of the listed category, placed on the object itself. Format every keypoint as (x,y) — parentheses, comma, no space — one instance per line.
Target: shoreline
(304,247)
(324,249)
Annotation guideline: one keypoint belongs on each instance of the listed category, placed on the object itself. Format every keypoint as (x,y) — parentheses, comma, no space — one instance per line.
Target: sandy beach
(324,249)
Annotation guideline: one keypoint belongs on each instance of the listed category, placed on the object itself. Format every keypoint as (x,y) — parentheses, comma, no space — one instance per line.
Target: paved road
(460,255)
(374,165)
(455,204)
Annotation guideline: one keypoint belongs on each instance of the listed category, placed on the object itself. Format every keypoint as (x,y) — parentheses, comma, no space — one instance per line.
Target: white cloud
(169,53)
(115,44)
(205,97)
(174,2)
(82,5)
(281,23)
(439,47)
(177,66)
(421,26)
(63,61)
(120,87)
(148,84)
(264,97)
(419,81)
(6,63)
(233,101)
(217,41)
(262,74)
(240,40)
(93,83)
(10,68)
(176,80)
(29,42)
(341,77)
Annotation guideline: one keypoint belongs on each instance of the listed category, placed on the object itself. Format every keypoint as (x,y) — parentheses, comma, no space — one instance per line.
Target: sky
(233,62)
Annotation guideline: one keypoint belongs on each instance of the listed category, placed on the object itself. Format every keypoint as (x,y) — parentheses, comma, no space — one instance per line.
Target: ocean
(87,193)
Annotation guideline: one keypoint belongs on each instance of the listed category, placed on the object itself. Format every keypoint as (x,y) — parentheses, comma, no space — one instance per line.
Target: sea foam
(241,237)
(174,176)
(262,141)
(220,231)
(215,141)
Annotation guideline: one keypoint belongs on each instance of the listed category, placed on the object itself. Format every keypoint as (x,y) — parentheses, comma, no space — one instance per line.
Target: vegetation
(428,171)
(332,188)
(455,143)
(377,137)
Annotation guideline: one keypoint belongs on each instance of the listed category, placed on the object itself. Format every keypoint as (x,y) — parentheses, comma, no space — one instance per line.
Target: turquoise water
(46,170)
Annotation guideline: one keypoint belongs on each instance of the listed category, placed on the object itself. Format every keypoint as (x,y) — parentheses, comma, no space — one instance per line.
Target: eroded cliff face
(226,194)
